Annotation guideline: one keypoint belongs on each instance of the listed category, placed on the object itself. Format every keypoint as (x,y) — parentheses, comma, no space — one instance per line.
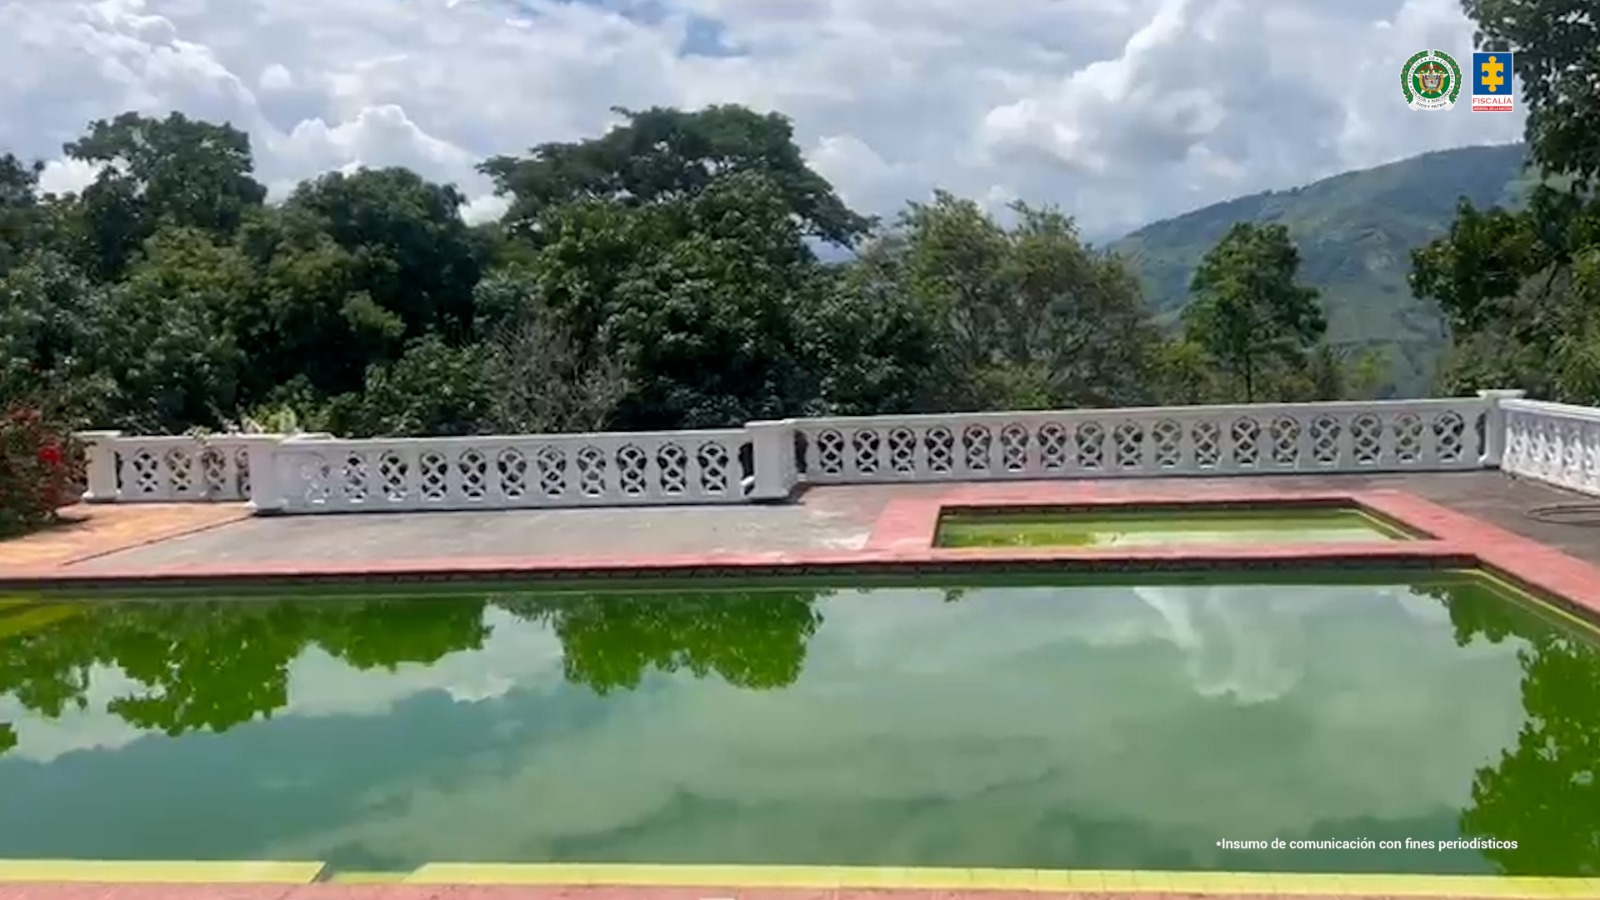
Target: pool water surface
(1114,723)
(1137,527)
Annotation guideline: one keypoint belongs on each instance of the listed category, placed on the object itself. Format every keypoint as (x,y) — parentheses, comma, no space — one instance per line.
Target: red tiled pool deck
(838,529)
(1470,520)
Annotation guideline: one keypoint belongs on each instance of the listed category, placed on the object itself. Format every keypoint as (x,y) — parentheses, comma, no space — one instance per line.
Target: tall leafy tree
(310,327)
(536,377)
(697,297)
(414,255)
(19,208)
(662,154)
(1519,287)
(871,347)
(171,343)
(1025,316)
(1250,311)
(1556,58)
(174,171)
(53,323)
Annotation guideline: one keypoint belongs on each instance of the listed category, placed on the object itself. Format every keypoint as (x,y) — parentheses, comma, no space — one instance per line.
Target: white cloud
(67,176)
(1117,110)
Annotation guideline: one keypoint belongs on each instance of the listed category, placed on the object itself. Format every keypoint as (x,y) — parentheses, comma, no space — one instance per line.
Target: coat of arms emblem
(1431,80)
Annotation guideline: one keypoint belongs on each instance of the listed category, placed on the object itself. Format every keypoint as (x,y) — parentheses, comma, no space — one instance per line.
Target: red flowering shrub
(40,465)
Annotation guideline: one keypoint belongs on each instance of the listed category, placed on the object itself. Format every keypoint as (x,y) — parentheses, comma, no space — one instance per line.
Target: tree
(697,298)
(173,171)
(52,336)
(1026,317)
(309,326)
(666,155)
(1553,43)
(414,256)
(1511,286)
(433,389)
(19,209)
(1515,285)
(169,340)
(537,380)
(871,347)
(1249,310)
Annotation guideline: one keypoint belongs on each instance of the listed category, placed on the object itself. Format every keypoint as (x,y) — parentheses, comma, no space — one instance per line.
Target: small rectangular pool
(1140,526)
(1043,722)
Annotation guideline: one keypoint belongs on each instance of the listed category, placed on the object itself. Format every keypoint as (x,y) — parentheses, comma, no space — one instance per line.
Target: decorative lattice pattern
(518,472)
(168,469)
(1555,444)
(1420,435)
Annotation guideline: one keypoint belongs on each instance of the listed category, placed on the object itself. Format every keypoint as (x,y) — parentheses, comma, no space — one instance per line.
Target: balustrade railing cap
(1502,393)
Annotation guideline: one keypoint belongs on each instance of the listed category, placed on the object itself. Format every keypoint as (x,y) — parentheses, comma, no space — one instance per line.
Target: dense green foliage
(661,275)
(1520,288)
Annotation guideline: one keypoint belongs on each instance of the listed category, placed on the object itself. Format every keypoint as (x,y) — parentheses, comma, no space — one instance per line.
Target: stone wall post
(100,450)
(266,488)
(1494,424)
(772,455)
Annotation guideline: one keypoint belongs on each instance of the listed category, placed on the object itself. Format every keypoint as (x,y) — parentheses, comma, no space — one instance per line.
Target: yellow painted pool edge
(158,872)
(367,877)
(1043,880)
(1540,604)
(35,617)
(823,877)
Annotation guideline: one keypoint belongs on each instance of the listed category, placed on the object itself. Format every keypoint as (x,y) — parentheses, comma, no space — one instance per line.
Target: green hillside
(1355,233)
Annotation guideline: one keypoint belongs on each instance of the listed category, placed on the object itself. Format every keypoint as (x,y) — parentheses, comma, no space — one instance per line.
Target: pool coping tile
(902,538)
(76,871)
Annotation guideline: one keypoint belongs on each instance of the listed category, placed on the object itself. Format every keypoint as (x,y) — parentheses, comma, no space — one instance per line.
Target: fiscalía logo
(1431,80)
(1491,82)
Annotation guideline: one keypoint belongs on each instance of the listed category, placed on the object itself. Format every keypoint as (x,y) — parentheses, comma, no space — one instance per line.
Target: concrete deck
(824,519)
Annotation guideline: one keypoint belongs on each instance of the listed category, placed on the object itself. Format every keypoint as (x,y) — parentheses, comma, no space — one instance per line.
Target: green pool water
(1118,723)
(1145,527)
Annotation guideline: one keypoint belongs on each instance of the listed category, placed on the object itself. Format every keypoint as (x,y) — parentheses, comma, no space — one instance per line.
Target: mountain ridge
(1355,231)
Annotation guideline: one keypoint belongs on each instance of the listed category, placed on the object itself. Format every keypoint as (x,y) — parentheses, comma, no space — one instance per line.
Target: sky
(1120,112)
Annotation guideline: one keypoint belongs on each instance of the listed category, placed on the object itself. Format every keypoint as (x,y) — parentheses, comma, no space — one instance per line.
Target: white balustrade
(1553,442)
(131,469)
(1416,435)
(767,460)
(510,472)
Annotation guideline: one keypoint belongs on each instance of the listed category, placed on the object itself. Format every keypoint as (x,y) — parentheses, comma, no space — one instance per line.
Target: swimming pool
(1142,526)
(1052,722)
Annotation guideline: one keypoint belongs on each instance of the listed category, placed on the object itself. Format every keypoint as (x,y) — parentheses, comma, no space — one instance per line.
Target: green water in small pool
(1051,722)
(1149,527)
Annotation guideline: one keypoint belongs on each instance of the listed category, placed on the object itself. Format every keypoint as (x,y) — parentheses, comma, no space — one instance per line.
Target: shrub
(40,465)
